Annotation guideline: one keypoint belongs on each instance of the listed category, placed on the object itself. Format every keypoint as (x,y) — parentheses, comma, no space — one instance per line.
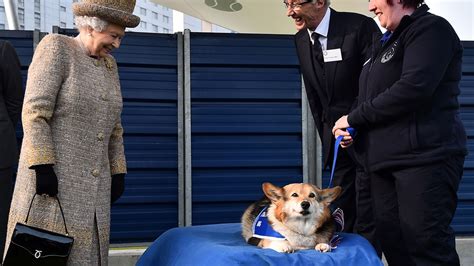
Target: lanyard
(336,148)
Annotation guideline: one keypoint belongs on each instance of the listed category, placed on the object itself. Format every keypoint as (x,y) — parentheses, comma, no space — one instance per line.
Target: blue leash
(336,148)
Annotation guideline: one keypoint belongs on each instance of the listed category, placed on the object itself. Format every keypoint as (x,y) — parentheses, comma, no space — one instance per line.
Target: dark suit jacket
(11,99)
(334,96)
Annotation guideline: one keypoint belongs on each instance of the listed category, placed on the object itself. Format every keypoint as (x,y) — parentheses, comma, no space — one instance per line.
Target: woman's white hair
(95,23)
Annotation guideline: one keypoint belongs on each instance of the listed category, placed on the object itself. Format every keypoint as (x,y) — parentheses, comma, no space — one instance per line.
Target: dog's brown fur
(310,228)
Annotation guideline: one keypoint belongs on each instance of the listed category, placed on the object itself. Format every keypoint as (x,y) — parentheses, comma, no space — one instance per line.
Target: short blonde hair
(95,23)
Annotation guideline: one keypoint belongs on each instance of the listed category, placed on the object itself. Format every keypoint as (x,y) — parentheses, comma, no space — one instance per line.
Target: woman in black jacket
(410,136)
(11,99)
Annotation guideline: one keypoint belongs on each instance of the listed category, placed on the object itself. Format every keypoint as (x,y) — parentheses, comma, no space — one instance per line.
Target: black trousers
(6,191)
(355,199)
(414,207)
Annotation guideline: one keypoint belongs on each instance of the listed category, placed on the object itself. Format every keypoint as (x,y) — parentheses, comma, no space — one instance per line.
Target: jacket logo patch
(390,53)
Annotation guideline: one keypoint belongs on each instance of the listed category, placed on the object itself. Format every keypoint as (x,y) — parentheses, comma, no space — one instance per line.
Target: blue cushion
(222,244)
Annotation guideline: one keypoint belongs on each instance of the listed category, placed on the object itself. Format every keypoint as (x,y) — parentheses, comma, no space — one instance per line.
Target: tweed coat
(71,118)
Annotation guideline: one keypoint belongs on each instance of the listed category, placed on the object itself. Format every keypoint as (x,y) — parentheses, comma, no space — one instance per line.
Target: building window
(37,6)
(37,20)
(165,8)
(2,26)
(63,9)
(21,15)
(21,3)
(2,9)
(155,15)
(155,28)
(165,30)
(142,11)
(22,27)
(63,25)
(166,19)
(143,25)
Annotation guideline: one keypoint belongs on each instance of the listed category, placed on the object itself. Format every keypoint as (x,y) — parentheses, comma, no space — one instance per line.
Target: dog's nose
(305,205)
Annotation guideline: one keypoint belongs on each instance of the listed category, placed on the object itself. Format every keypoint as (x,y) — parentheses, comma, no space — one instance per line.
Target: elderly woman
(72,146)
(410,134)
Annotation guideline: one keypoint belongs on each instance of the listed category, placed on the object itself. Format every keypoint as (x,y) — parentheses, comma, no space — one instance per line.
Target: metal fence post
(187,129)
(312,153)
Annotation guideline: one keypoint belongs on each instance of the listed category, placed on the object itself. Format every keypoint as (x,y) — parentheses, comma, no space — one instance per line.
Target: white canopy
(251,16)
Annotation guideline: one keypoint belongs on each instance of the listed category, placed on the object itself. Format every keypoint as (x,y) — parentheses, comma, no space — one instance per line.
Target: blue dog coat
(262,229)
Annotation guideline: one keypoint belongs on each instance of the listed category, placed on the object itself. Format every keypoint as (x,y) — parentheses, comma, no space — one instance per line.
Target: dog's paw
(281,246)
(323,247)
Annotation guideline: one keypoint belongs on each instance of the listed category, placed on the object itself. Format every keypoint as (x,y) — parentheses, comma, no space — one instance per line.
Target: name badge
(332,55)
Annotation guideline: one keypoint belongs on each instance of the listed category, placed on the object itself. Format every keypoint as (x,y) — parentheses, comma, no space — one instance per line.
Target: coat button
(95,173)
(100,136)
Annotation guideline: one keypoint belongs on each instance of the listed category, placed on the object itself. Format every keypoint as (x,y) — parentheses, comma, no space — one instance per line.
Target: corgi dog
(291,218)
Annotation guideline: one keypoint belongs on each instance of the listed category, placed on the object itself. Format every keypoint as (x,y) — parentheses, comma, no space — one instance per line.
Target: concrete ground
(125,256)
(465,248)
(128,256)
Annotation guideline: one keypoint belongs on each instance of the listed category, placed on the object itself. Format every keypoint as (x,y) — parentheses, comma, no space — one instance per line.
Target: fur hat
(118,12)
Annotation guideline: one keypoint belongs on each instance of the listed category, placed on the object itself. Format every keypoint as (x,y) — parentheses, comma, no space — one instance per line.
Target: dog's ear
(330,194)
(274,193)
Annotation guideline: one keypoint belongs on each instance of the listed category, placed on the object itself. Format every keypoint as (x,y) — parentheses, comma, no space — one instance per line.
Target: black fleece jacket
(408,109)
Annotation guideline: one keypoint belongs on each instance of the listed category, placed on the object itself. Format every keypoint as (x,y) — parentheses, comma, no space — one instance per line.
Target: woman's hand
(341,123)
(46,180)
(347,138)
(339,130)
(117,187)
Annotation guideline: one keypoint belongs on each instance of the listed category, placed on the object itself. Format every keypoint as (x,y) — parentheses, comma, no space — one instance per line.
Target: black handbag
(35,246)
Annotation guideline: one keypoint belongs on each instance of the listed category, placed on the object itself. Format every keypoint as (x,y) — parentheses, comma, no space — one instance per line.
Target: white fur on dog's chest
(302,242)
(306,239)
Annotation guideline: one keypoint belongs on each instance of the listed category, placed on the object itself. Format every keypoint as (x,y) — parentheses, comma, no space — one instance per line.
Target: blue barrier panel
(246,121)
(148,76)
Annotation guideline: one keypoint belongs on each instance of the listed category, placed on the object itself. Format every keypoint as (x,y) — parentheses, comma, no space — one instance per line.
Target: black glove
(118,186)
(46,180)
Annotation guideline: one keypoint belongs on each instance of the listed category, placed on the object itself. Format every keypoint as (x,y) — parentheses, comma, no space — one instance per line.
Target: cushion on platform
(222,244)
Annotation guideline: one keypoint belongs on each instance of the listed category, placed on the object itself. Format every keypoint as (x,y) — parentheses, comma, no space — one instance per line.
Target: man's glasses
(295,5)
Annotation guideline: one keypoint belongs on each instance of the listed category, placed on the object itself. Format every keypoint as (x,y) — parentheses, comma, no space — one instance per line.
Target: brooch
(109,64)
(107,61)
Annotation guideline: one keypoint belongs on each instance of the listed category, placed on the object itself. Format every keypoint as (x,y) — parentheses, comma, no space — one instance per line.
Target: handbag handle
(60,208)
